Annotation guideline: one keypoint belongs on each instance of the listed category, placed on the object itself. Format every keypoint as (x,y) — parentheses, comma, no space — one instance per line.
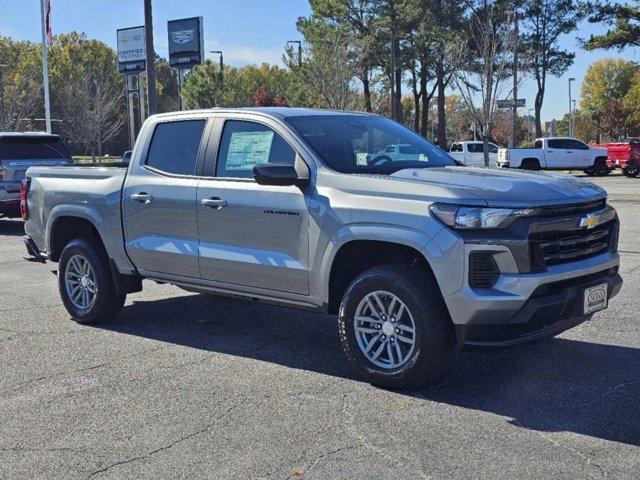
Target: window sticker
(246,149)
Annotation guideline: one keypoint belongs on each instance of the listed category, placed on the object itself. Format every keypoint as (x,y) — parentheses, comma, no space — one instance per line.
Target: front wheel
(395,329)
(85,283)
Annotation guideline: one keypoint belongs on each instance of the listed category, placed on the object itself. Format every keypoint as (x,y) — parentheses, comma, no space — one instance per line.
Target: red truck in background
(626,156)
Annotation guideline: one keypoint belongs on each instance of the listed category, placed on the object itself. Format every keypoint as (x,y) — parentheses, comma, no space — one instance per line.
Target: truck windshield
(367,144)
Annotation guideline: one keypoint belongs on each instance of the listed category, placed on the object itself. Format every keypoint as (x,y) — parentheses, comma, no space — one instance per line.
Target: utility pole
(570,109)
(514,111)
(151,64)
(45,66)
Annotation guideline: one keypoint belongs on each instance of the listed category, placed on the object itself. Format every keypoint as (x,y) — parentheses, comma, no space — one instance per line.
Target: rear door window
(175,145)
(475,148)
(577,145)
(559,144)
(33,148)
(245,144)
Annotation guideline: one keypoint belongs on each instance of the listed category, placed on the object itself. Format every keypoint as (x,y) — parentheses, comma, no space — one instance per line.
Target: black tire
(531,165)
(600,168)
(631,171)
(107,304)
(589,172)
(434,333)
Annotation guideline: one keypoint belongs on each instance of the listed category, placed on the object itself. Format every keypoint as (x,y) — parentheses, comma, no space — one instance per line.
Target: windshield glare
(367,144)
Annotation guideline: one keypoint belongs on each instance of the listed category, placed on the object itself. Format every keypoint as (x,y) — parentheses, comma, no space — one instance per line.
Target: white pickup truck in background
(556,153)
(471,153)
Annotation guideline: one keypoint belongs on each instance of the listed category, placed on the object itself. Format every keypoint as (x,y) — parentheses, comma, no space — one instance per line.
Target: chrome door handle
(213,202)
(142,197)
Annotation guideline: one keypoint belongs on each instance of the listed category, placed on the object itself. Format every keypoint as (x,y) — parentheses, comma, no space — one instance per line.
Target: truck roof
(28,134)
(278,112)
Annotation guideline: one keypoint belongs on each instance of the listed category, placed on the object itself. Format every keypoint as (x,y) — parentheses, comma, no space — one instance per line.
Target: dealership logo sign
(183,36)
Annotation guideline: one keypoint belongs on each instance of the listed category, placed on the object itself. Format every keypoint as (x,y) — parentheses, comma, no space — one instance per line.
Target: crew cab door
(252,235)
(159,200)
(475,154)
(558,153)
(581,156)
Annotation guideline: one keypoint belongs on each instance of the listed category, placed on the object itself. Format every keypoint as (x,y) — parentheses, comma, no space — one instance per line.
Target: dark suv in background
(19,151)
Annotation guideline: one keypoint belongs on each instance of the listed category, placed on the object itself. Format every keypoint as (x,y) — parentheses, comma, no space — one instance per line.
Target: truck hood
(506,188)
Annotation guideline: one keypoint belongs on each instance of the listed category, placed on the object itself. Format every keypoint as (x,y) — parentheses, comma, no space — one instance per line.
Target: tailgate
(619,151)
(13,171)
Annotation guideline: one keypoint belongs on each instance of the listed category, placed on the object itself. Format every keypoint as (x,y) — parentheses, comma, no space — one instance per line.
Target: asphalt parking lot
(185,385)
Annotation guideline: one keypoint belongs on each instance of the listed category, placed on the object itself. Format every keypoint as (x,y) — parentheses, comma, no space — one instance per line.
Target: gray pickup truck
(415,255)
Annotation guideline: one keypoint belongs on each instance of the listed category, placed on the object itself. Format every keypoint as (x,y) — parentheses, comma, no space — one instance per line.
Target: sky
(250,31)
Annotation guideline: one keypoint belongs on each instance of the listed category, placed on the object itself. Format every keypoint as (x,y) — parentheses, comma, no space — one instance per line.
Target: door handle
(142,197)
(569,151)
(214,202)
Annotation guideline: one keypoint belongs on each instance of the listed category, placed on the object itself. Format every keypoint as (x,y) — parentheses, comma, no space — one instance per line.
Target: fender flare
(404,236)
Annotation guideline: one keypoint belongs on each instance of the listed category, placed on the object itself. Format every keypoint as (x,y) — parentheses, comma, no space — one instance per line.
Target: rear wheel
(531,165)
(395,328)
(600,168)
(85,283)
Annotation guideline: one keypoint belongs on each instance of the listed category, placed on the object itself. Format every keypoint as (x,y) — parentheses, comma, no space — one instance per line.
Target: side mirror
(282,173)
(277,174)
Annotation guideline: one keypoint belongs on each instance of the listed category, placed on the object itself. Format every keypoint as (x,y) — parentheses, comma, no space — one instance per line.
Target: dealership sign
(132,53)
(186,42)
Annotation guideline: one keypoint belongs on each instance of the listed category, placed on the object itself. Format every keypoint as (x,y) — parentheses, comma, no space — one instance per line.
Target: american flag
(47,21)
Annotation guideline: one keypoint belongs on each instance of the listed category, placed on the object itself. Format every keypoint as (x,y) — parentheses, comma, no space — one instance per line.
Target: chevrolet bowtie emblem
(589,221)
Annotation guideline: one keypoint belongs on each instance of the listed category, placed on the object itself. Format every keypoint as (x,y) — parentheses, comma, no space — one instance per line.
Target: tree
(606,80)
(632,106)
(167,87)
(357,18)
(624,20)
(241,87)
(20,83)
(491,42)
(328,66)
(545,21)
(86,91)
(449,18)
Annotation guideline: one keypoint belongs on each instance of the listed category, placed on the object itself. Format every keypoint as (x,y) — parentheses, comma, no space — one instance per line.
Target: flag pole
(45,65)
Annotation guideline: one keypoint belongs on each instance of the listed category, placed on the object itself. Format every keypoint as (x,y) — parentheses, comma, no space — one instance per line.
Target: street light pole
(514,111)
(570,110)
(299,50)
(2,125)
(151,64)
(219,52)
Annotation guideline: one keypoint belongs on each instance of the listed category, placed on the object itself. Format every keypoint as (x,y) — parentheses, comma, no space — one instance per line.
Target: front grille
(563,246)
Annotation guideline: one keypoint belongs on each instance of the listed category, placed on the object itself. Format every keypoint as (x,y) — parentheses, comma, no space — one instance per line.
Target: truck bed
(92,192)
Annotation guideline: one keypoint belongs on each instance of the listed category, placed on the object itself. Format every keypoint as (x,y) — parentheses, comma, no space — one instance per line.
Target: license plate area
(595,298)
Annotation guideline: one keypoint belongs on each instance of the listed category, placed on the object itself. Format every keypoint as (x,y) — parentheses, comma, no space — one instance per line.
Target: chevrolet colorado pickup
(415,255)
(556,153)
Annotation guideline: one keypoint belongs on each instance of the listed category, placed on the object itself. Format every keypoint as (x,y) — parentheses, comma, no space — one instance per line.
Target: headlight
(466,218)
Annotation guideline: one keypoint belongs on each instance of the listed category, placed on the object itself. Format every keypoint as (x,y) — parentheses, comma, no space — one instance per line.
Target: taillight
(24,192)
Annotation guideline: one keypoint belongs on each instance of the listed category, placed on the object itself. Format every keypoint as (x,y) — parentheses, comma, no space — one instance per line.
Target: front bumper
(552,308)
